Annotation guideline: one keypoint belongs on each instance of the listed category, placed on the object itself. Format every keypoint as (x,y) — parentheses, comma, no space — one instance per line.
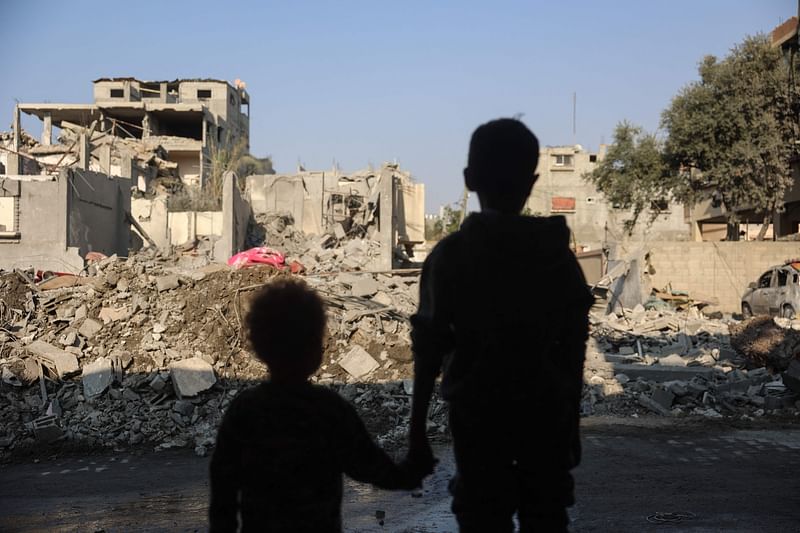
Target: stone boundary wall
(716,269)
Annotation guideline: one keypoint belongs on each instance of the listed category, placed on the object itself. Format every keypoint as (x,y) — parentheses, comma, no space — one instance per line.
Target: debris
(191,376)
(62,362)
(89,328)
(358,362)
(97,376)
(166,283)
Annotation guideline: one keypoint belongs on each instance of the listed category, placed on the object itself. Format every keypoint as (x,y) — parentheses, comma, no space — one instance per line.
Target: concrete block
(96,377)
(791,377)
(364,286)
(62,361)
(166,283)
(660,373)
(358,362)
(663,397)
(90,328)
(191,376)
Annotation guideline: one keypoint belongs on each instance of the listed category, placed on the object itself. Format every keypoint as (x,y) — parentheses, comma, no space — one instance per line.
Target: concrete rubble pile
(145,351)
(676,363)
(332,252)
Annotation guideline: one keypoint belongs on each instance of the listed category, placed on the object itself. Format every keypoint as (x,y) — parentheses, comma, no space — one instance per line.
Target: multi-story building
(189,119)
(563,190)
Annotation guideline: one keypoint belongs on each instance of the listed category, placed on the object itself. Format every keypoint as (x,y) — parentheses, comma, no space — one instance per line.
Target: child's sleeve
(224,476)
(363,460)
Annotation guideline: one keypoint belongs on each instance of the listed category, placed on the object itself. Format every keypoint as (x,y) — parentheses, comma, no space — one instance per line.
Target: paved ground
(705,479)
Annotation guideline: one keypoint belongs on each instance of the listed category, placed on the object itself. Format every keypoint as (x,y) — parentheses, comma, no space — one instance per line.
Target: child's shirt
(281,451)
(503,315)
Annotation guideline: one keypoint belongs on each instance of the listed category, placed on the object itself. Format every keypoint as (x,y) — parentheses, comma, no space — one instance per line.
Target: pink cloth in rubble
(258,256)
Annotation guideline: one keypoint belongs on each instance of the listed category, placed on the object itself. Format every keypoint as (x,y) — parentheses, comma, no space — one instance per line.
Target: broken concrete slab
(96,377)
(663,397)
(791,377)
(62,361)
(166,283)
(661,373)
(112,314)
(358,362)
(191,376)
(364,286)
(90,328)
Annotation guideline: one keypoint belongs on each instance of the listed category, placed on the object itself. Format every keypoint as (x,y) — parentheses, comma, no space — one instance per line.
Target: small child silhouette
(283,445)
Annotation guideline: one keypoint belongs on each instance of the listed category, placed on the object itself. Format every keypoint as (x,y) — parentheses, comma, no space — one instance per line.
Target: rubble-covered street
(145,353)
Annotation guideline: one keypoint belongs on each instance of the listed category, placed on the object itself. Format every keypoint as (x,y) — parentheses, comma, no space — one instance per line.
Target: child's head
(286,325)
(501,166)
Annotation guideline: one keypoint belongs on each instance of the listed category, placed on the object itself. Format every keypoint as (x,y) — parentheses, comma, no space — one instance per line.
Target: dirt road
(705,479)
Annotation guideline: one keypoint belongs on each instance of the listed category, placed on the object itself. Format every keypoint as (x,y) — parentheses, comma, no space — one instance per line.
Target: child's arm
(432,338)
(365,461)
(225,476)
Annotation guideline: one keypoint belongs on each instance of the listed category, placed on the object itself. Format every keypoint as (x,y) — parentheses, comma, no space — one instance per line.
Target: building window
(117,93)
(660,206)
(9,217)
(203,93)
(562,160)
(592,158)
(233,101)
(562,204)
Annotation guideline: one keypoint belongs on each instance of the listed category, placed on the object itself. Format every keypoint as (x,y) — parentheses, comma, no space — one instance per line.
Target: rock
(364,286)
(663,397)
(622,379)
(69,338)
(63,362)
(383,299)
(89,328)
(158,383)
(358,362)
(81,313)
(159,328)
(166,283)
(130,395)
(191,376)
(96,377)
(184,407)
(111,314)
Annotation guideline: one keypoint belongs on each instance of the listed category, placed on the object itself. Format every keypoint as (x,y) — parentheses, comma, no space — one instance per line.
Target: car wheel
(746,311)
(788,312)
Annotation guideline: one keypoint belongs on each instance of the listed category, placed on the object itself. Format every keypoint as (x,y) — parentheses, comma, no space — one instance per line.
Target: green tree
(730,134)
(633,174)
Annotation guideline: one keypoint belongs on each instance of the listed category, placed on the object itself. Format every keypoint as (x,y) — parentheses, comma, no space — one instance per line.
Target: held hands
(419,463)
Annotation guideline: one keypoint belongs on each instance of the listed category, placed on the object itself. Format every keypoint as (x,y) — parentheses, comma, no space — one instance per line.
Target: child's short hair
(286,324)
(503,153)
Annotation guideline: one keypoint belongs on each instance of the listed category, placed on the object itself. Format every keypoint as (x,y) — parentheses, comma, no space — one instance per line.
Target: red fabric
(258,256)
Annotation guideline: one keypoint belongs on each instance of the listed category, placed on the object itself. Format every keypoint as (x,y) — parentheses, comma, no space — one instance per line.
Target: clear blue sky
(372,81)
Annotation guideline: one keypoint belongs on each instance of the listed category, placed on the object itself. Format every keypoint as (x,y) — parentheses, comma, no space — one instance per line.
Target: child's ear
(469,180)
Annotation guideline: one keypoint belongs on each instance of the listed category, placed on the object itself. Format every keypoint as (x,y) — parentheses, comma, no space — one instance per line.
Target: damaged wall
(235,219)
(63,217)
(717,269)
(318,201)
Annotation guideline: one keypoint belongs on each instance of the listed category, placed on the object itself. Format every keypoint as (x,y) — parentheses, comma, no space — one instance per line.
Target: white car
(776,293)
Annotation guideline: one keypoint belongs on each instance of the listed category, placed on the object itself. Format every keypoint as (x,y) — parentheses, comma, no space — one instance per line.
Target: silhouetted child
(503,315)
(283,445)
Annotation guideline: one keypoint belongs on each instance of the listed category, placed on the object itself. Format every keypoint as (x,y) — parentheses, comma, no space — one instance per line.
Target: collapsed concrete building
(162,128)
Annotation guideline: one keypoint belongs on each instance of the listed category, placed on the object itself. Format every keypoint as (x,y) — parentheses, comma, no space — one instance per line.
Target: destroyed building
(563,190)
(385,206)
(172,126)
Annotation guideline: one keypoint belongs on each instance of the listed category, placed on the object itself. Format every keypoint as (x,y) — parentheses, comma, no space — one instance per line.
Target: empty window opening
(782,278)
(661,205)
(9,217)
(764,280)
(592,158)
(150,90)
(203,93)
(562,160)
(117,93)
(219,134)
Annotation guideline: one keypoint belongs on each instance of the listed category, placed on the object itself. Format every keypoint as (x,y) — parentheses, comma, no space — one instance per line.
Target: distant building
(562,190)
(187,119)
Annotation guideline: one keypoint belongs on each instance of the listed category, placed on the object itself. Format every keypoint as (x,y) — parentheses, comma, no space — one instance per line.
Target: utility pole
(574,111)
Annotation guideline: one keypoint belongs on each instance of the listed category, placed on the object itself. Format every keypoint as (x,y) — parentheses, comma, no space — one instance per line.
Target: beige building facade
(563,190)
